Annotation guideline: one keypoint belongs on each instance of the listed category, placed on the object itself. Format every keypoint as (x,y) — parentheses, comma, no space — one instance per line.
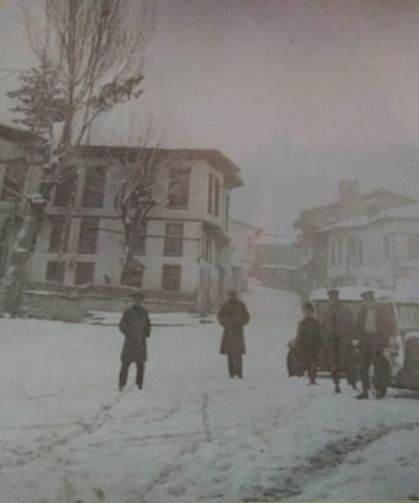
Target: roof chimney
(350,200)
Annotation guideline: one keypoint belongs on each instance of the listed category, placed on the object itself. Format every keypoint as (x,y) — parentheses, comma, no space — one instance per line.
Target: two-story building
(351,203)
(378,249)
(277,262)
(243,238)
(182,257)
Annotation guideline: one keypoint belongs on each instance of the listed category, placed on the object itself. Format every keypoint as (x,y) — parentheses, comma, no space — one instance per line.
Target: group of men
(349,347)
(135,326)
(335,333)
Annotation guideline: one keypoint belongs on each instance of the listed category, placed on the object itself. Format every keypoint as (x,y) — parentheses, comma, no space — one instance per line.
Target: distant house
(350,204)
(277,262)
(378,249)
(182,257)
(243,242)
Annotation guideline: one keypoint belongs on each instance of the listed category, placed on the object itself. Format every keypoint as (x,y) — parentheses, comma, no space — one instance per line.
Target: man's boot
(362,396)
(380,394)
(337,383)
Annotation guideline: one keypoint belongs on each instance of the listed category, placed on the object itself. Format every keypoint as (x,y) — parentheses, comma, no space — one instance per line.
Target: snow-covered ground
(193,434)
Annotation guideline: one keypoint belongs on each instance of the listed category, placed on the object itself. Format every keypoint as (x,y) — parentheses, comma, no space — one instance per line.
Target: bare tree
(152,177)
(91,57)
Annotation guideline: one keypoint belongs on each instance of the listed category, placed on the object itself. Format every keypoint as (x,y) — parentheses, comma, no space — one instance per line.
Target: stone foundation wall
(73,306)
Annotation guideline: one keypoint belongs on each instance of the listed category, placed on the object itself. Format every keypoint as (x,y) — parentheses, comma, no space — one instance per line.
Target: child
(308,341)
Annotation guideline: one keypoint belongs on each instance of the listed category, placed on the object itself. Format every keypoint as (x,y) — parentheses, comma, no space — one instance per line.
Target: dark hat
(137,295)
(368,294)
(308,307)
(332,291)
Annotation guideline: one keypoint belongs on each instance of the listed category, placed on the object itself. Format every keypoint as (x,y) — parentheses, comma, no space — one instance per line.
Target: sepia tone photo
(209,251)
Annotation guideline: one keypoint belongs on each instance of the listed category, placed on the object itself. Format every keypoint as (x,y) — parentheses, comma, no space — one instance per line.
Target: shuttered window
(173,241)
(171,277)
(89,230)
(94,187)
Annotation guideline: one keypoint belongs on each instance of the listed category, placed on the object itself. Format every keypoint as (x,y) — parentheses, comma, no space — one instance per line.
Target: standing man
(374,330)
(233,315)
(338,330)
(308,341)
(135,325)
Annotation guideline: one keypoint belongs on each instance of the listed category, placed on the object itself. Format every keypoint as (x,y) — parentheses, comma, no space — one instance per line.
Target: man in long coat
(308,341)
(338,333)
(233,316)
(374,327)
(135,325)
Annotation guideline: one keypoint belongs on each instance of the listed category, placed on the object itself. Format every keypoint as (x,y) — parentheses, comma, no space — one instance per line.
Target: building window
(171,277)
(138,244)
(210,184)
(179,181)
(85,273)
(217,197)
(341,245)
(332,253)
(14,181)
(387,246)
(413,247)
(60,229)
(94,187)
(65,192)
(173,241)
(351,250)
(360,253)
(249,245)
(89,230)
(55,271)
(227,211)
(208,249)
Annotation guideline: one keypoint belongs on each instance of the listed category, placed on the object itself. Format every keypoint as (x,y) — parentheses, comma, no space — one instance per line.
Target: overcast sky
(298,93)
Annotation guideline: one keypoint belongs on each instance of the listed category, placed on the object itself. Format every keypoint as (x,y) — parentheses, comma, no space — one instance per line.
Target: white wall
(108,259)
(376,265)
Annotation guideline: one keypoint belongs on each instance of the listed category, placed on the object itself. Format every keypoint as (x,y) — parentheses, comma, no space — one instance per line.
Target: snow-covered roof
(279,266)
(349,223)
(409,211)
(275,239)
(240,223)
(351,293)
(130,154)
(374,195)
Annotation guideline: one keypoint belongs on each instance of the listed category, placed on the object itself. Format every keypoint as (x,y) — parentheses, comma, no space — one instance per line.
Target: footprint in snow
(178,490)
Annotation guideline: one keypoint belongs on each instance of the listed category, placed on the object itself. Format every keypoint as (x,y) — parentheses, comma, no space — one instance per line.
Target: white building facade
(376,250)
(243,238)
(183,254)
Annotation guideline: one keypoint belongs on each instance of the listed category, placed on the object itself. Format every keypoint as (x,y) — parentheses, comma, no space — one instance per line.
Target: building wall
(350,203)
(385,253)
(243,243)
(198,269)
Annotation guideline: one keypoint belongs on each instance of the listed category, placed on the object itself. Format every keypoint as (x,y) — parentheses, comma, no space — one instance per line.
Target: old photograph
(209,251)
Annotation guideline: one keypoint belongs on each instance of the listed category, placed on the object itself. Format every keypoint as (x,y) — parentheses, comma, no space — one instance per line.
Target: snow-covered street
(192,434)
